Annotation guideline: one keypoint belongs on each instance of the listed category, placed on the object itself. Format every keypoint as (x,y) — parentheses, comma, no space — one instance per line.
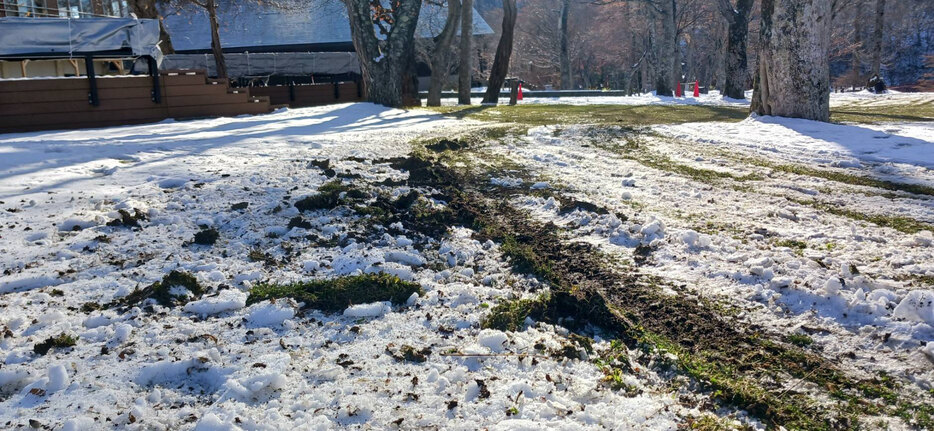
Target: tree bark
(793,79)
(384,63)
(216,49)
(465,65)
(567,80)
(736,62)
(503,53)
(667,74)
(146,9)
(440,54)
(877,38)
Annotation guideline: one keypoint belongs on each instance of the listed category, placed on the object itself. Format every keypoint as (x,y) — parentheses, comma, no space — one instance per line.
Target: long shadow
(24,159)
(460,114)
(865,144)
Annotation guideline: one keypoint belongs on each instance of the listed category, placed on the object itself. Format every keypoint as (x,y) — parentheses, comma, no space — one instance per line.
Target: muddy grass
(334,295)
(740,367)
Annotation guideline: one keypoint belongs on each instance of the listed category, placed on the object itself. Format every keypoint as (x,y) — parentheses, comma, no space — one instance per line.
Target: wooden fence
(64,103)
(302,95)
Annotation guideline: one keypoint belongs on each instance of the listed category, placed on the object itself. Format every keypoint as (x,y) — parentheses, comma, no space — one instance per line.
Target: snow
(226,300)
(374,309)
(216,363)
(846,146)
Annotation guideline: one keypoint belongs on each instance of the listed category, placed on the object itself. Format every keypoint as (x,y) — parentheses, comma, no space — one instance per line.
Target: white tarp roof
(250,24)
(281,63)
(63,37)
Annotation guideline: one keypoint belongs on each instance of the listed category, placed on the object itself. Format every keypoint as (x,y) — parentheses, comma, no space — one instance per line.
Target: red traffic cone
(520,91)
(678,90)
(696,88)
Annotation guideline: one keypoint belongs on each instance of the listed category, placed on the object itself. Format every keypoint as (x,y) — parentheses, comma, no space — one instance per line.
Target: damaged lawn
(743,368)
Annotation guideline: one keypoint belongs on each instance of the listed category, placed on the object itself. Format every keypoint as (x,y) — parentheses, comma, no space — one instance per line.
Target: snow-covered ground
(859,290)
(753,239)
(219,364)
(713,98)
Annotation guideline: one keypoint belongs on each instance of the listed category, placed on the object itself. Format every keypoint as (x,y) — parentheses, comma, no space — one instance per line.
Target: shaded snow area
(92,215)
(713,98)
(788,250)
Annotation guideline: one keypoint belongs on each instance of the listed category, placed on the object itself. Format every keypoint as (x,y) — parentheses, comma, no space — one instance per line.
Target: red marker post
(696,88)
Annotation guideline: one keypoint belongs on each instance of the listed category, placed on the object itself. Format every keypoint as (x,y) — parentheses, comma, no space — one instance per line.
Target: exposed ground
(570,267)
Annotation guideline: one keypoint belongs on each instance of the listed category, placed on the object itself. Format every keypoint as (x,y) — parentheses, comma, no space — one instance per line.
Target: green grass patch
(799,340)
(906,112)
(845,178)
(336,294)
(164,291)
(540,115)
(901,224)
(60,341)
(511,315)
(524,259)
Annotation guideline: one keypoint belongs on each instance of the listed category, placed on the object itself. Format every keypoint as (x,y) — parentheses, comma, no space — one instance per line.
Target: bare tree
(737,34)
(567,82)
(877,38)
(465,65)
(503,53)
(384,61)
(440,57)
(793,79)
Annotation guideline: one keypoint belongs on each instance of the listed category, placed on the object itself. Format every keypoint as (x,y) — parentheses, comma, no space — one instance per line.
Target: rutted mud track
(779,383)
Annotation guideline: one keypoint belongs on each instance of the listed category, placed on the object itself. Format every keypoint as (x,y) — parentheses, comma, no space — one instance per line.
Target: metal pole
(154,72)
(92,81)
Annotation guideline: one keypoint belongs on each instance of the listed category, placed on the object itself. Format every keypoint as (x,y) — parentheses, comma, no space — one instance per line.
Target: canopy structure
(313,26)
(27,38)
(259,64)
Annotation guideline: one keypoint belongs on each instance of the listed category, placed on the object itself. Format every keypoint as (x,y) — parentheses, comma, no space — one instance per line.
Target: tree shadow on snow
(30,153)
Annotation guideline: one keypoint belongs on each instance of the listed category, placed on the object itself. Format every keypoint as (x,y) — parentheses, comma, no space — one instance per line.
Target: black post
(291,91)
(337,90)
(92,81)
(154,72)
(359,81)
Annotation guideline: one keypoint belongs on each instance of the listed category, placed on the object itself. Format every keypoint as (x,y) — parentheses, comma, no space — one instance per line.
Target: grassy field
(644,115)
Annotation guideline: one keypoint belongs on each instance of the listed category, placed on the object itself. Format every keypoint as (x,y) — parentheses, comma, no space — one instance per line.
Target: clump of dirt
(446,145)
(571,205)
(176,288)
(299,222)
(59,341)
(330,195)
(128,220)
(239,206)
(407,353)
(206,236)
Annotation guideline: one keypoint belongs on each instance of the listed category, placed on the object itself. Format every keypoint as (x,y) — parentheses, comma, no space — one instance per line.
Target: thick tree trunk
(567,81)
(146,9)
(667,73)
(216,48)
(503,53)
(736,62)
(877,38)
(384,63)
(465,65)
(441,53)
(793,79)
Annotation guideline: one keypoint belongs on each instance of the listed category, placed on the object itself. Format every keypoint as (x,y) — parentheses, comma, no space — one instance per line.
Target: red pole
(696,88)
(678,90)
(520,91)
